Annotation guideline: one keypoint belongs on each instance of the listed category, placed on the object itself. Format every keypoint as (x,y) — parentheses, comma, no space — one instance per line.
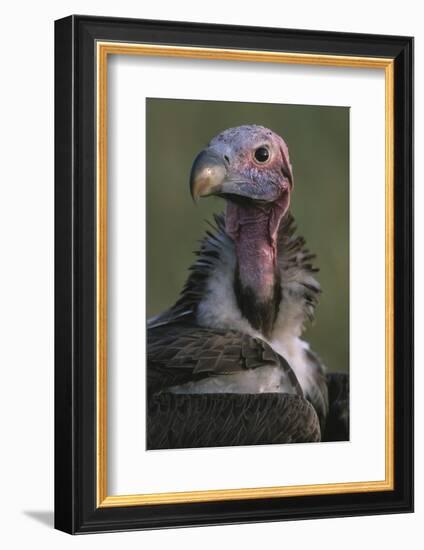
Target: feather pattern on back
(206,314)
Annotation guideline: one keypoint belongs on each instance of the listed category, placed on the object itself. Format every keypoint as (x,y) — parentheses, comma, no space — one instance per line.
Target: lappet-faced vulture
(226,363)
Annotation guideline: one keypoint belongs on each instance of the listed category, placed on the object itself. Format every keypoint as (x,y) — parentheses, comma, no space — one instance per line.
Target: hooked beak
(208,174)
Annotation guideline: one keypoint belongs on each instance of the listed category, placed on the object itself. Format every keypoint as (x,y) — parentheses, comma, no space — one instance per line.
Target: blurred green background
(318,141)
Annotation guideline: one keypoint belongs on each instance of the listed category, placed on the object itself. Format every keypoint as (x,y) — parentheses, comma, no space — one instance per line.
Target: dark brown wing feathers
(181,352)
(212,420)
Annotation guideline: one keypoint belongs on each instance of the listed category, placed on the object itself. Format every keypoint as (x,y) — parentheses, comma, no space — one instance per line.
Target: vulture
(226,364)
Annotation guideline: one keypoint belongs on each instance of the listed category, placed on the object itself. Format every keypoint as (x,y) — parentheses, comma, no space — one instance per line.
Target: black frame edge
(64,448)
(404,271)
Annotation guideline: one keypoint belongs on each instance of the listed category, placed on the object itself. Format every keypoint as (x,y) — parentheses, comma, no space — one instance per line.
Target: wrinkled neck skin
(254,229)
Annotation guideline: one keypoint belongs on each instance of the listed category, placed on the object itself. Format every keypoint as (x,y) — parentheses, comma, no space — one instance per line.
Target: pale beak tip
(195,199)
(207,174)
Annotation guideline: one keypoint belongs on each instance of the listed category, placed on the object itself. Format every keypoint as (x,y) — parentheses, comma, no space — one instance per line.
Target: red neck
(254,231)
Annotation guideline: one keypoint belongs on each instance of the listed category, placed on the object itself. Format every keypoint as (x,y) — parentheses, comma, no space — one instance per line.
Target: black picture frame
(76,509)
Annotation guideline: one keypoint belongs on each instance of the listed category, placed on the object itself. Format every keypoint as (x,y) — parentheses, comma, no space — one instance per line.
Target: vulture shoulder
(182,353)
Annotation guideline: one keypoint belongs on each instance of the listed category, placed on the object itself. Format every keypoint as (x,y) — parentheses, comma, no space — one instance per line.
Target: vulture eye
(262,154)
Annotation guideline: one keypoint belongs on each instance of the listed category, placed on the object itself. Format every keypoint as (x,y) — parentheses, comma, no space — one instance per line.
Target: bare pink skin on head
(249,166)
(253,224)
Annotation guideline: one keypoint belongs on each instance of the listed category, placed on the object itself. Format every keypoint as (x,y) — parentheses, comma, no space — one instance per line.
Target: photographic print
(247,273)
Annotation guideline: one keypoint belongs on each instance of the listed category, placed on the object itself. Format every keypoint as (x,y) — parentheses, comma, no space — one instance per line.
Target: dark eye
(262,154)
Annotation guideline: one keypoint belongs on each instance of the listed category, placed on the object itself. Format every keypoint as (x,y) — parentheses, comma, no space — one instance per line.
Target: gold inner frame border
(103,50)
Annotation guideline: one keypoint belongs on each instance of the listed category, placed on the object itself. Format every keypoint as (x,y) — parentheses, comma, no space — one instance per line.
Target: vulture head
(249,166)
